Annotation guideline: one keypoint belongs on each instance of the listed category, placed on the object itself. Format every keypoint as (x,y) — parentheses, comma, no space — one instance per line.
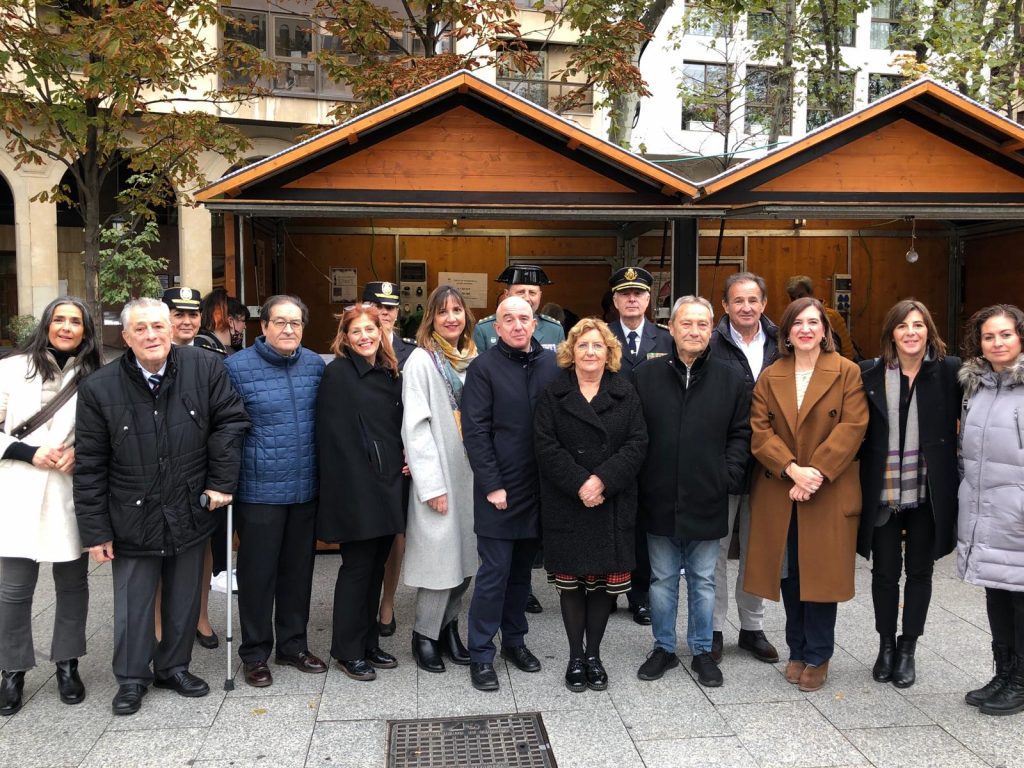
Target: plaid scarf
(904,484)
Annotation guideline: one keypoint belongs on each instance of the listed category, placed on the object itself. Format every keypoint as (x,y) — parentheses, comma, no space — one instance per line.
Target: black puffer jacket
(141,462)
(575,439)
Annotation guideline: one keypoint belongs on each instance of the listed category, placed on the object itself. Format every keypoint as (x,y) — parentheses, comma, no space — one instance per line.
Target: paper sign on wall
(343,285)
(472,285)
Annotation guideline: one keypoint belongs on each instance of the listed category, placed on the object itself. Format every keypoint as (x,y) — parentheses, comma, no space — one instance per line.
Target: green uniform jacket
(549,333)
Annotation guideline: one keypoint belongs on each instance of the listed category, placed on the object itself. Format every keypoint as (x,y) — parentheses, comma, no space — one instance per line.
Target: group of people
(634,453)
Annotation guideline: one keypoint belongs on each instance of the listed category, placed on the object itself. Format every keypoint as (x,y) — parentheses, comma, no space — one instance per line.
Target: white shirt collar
(759,337)
(146,374)
(639,329)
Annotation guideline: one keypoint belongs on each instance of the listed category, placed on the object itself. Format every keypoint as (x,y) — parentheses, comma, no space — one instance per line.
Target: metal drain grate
(483,741)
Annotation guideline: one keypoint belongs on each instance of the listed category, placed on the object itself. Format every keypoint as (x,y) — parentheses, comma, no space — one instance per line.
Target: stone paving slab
(755,720)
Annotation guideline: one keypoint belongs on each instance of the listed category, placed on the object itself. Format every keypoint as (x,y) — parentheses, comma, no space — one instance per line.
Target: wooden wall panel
(992,272)
(459,150)
(711,281)
(578,287)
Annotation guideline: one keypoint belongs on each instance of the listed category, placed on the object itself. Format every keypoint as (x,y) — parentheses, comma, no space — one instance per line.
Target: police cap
(381,292)
(184,299)
(523,274)
(631,277)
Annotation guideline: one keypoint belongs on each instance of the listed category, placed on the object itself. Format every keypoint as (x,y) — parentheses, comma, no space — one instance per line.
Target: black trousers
(1006,618)
(640,583)
(810,627)
(357,596)
(135,584)
(277,544)
(499,597)
(887,556)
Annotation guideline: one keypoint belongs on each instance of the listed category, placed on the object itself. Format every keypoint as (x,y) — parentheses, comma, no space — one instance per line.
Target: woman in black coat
(359,444)
(909,478)
(590,440)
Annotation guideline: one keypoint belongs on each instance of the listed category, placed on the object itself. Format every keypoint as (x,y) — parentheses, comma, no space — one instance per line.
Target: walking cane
(229,683)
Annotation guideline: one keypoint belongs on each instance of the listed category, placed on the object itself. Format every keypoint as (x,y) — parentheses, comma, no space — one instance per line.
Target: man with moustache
(524,281)
(501,390)
(155,432)
(747,341)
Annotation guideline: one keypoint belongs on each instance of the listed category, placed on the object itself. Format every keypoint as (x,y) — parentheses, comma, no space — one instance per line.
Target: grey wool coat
(440,550)
(990,527)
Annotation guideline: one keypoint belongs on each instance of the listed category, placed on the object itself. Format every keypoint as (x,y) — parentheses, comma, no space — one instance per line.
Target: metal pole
(229,683)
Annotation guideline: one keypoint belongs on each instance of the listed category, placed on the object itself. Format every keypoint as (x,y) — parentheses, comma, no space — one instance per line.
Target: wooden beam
(573,144)
(953,125)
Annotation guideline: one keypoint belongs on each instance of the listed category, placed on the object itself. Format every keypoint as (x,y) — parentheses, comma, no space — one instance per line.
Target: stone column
(195,248)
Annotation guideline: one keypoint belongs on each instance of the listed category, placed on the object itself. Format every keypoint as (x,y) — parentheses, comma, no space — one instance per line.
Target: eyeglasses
(280,324)
(360,307)
(591,346)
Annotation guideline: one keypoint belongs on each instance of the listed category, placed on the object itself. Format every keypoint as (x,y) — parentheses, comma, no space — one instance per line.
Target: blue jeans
(668,555)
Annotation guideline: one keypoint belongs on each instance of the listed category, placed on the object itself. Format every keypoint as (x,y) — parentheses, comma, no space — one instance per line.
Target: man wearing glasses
(277,491)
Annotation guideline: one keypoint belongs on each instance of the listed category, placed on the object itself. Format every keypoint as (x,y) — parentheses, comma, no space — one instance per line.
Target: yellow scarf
(459,360)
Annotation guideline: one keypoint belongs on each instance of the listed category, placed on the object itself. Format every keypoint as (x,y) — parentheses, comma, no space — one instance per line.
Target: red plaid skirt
(612,583)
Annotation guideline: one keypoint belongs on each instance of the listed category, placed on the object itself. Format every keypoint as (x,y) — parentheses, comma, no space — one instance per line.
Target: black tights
(585,614)
(1006,618)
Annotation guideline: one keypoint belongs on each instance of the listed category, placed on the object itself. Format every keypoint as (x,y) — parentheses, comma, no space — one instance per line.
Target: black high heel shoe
(386,630)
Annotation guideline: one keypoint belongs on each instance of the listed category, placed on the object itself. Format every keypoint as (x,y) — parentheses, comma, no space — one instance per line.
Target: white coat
(440,550)
(37,517)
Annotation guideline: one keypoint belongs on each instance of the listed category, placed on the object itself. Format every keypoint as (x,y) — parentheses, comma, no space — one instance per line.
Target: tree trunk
(784,78)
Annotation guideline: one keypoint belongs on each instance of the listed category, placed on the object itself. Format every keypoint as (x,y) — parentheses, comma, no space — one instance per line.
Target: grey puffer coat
(990,534)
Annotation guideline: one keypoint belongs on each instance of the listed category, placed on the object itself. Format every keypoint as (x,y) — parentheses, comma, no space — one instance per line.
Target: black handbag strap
(44,414)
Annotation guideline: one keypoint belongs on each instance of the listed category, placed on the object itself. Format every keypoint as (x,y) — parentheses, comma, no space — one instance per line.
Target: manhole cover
(483,741)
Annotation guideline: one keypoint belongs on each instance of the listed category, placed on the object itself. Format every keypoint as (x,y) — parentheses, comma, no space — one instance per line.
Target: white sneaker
(219,582)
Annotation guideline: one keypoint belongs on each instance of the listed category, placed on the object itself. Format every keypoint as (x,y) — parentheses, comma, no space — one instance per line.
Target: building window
(706,89)
(767,89)
(706,22)
(538,86)
(891,23)
(818,110)
(762,24)
(880,85)
(847,34)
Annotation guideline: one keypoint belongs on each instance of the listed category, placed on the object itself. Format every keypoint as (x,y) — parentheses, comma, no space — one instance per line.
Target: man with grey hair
(158,437)
(698,422)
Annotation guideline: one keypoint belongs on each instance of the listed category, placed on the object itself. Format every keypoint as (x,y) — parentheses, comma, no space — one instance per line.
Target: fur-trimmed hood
(976,373)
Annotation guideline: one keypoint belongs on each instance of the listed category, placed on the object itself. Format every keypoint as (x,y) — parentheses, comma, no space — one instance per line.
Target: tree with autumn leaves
(100,84)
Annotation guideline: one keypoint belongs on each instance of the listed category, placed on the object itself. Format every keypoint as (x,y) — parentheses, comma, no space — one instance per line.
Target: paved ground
(755,719)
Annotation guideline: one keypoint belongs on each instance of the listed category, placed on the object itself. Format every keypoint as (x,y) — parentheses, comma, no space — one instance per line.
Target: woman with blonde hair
(591,440)
(359,445)
(440,546)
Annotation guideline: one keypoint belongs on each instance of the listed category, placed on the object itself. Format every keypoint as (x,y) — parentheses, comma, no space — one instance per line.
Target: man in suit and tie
(641,339)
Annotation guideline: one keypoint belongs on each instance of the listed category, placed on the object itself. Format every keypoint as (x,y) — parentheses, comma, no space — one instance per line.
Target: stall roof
(456,146)
(923,150)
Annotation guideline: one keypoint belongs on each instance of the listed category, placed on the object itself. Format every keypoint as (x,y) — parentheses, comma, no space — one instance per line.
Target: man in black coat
(641,339)
(749,342)
(698,422)
(502,387)
(155,432)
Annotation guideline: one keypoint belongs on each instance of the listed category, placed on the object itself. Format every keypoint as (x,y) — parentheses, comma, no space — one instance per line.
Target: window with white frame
(880,85)
(767,90)
(705,100)
(891,22)
(542,84)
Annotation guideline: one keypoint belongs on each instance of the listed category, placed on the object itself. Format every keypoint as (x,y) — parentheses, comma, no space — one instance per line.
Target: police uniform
(188,300)
(549,332)
(653,341)
(383,293)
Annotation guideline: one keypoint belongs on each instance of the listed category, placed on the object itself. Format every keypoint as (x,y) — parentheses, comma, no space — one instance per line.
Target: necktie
(154,383)
(631,339)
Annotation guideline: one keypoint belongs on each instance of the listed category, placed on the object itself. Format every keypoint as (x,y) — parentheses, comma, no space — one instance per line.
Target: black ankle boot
(11,686)
(1003,663)
(427,653)
(903,672)
(69,684)
(451,643)
(882,671)
(1010,698)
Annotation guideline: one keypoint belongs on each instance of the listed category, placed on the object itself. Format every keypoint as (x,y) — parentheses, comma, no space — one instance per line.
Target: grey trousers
(750,607)
(18,576)
(436,608)
(135,585)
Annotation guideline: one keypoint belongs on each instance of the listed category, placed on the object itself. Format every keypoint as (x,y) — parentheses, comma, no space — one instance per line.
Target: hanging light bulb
(912,254)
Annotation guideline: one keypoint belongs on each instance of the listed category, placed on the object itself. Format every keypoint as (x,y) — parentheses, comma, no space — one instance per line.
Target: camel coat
(825,434)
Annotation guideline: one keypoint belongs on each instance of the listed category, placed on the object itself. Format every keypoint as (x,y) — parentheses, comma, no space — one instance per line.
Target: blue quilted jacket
(279,453)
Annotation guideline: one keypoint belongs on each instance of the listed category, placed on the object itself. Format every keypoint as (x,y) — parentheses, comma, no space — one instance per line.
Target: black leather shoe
(128,699)
(359,669)
(753,640)
(304,661)
(209,642)
(381,659)
(903,672)
(12,685)
(521,657)
(1004,663)
(483,676)
(717,645)
(641,613)
(708,673)
(184,683)
(658,662)
(576,675)
(882,671)
(533,604)
(69,684)
(597,678)
(387,630)
(451,644)
(427,653)
(257,674)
